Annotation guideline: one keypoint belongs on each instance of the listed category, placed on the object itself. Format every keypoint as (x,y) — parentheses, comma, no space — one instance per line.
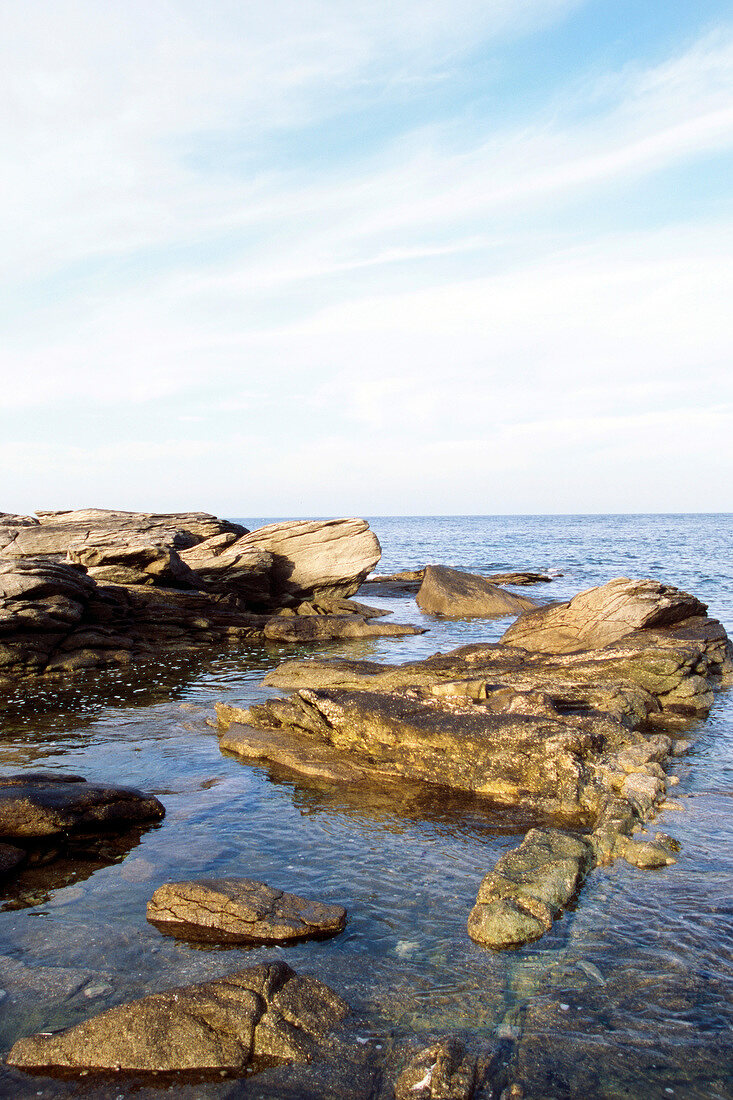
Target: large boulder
(46,804)
(457,595)
(601,616)
(264,1011)
(239,910)
(316,557)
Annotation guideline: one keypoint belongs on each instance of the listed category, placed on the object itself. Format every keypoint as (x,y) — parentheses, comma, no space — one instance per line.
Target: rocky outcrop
(135,585)
(543,762)
(529,886)
(55,531)
(264,1011)
(601,616)
(46,804)
(454,594)
(408,581)
(240,911)
(317,558)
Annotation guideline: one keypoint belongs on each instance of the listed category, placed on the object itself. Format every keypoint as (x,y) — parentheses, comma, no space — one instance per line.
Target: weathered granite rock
(317,558)
(225,564)
(55,531)
(267,1011)
(451,593)
(54,619)
(42,804)
(652,675)
(442,1071)
(543,763)
(602,616)
(528,888)
(136,559)
(239,910)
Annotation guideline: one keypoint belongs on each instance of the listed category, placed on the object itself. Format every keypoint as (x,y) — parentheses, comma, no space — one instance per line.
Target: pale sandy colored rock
(600,616)
(451,593)
(317,557)
(240,910)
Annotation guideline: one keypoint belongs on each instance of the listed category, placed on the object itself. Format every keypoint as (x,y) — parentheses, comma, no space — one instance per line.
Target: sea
(629,995)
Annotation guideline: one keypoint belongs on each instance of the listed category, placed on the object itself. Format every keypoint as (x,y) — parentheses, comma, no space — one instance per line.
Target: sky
(360,257)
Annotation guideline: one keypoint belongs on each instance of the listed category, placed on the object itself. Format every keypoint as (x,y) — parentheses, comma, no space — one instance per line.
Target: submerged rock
(43,804)
(529,886)
(454,594)
(239,910)
(441,1071)
(267,1011)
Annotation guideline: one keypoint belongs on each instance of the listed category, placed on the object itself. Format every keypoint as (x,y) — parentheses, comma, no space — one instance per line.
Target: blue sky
(332,257)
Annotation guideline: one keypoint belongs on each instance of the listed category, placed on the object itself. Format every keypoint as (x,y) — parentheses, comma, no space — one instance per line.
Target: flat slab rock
(264,1011)
(455,594)
(239,910)
(41,804)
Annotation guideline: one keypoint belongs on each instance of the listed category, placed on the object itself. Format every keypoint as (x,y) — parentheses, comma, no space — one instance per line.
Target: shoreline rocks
(134,584)
(240,911)
(264,1011)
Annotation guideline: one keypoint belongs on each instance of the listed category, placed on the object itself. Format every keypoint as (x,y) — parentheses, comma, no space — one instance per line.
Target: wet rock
(266,1011)
(601,616)
(528,888)
(240,910)
(321,628)
(520,759)
(451,593)
(42,804)
(11,858)
(442,1071)
(311,558)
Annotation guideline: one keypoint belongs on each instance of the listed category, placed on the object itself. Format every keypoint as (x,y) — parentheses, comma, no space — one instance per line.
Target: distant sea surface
(629,995)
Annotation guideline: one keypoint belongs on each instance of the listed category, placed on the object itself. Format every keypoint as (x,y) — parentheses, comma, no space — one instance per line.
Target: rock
(264,1011)
(10,858)
(528,887)
(43,804)
(317,558)
(226,564)
(322,628)
(601,616)
(512,759)
(442,1071)
(57,530)
(519,579)
(451,593)
(240,911)
(136,559)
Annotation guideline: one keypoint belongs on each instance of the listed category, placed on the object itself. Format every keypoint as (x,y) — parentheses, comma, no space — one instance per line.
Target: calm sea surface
(628,996)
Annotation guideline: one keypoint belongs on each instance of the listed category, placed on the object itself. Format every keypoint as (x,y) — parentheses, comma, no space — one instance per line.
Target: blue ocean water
(629,995)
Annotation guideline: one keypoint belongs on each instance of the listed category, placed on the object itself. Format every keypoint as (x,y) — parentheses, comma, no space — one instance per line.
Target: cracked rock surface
(240,910)
(264,1011)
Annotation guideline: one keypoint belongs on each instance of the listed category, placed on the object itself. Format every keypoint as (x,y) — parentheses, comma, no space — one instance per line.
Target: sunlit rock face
(266,1011)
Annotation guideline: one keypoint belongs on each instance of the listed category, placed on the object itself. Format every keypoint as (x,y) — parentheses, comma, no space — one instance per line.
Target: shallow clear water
(641,965)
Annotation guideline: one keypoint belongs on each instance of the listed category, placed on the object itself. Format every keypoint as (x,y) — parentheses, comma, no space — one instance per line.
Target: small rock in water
(405,949)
